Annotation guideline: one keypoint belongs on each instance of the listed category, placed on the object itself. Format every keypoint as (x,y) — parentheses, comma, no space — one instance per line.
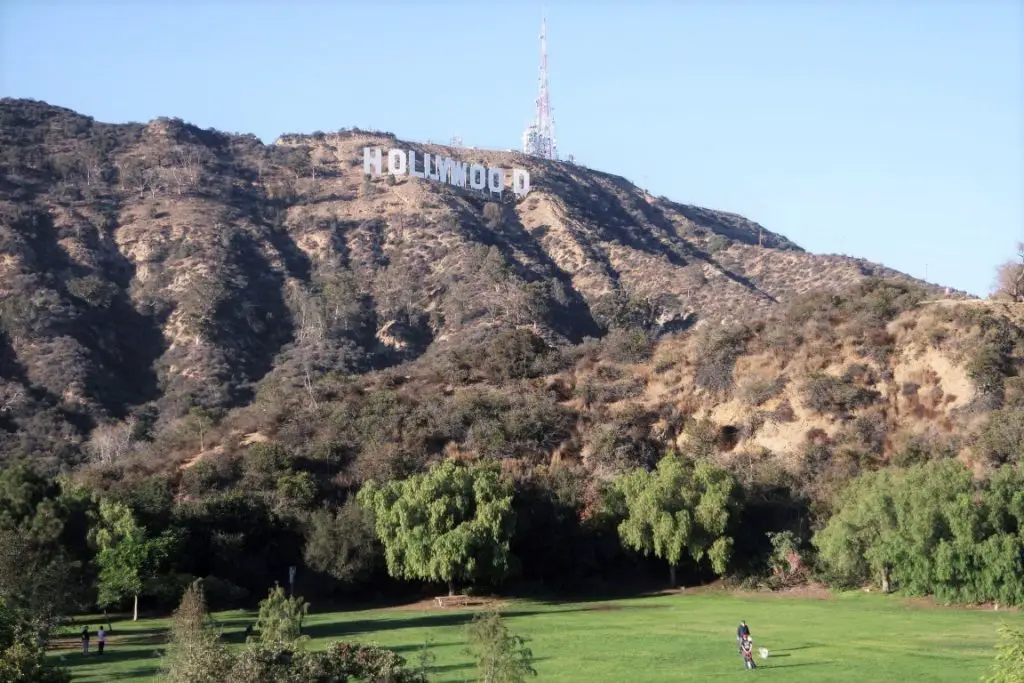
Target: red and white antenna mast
(539,138)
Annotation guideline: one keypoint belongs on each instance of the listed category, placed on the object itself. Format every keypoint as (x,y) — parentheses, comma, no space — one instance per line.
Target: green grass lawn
(681,637)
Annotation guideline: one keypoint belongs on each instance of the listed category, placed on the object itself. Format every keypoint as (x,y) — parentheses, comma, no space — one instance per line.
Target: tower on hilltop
(539,137)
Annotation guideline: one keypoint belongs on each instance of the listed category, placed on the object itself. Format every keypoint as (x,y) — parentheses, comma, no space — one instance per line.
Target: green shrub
(500,654)
(628,346)
(1008,666)
(513,354)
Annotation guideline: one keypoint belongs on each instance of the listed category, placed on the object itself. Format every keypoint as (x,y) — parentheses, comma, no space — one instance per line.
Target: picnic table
(449,600)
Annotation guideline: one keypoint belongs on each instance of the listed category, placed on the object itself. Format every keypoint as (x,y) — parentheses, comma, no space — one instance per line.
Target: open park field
(685,636)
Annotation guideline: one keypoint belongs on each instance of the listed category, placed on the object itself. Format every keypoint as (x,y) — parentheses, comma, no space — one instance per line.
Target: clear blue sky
(887,130)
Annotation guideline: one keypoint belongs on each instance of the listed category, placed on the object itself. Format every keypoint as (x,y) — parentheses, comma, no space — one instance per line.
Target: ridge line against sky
(888,131)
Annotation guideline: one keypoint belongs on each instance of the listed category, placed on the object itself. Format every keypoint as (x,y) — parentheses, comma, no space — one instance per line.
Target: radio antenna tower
(539,137)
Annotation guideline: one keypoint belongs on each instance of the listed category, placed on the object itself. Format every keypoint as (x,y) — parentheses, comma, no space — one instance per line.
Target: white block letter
(371,160)
(459,173)
(496,180)
(444,169)
(396,162)
(520,182)
(477,177)
(412,165)
(431,172)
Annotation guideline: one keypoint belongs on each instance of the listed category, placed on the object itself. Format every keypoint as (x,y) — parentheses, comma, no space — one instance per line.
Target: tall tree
(127,558)
(869,537)
(195,653)
(342,543)
(452,523)
(681,509)
(42,545)
(933,530)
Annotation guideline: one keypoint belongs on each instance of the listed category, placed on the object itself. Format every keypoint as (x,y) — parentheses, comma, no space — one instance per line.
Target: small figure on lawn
(742,631)
(747,649)
(85,640)
(101,639)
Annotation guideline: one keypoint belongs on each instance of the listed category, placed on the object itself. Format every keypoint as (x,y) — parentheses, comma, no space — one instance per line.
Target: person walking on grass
(85,640)
(742,631)
(101,639)
(747,650)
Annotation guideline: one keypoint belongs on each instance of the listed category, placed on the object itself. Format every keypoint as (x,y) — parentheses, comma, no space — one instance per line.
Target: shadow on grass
(143,672)
(590,592)
(594,593)
(445,668)
(415,648)
(790,666)
(806,646)
(108,658)
(340,629)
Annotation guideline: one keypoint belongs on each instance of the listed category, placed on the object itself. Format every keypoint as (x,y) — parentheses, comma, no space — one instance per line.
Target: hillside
(149,269)
(231,339)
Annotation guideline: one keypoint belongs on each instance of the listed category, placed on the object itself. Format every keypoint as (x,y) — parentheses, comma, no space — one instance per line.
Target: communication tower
(539,137)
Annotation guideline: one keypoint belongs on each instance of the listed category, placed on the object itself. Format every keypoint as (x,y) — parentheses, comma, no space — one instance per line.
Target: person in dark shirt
(85,640)
(742,631)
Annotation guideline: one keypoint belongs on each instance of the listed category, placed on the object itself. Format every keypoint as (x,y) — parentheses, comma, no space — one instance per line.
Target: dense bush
(628,345)
(22,655)
(756,392)
(859,315)
(717,351)
(838,396)
(1001,439)
(995,355)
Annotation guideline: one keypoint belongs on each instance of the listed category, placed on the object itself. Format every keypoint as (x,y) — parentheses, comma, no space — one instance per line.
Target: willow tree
(450,524)
(682,509)
(933,530)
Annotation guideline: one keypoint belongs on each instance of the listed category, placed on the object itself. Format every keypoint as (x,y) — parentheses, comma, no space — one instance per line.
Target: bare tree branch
(1010,278)
(111,442)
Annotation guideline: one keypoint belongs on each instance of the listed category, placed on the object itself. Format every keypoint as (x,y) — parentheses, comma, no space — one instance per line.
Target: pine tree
(195,653)
(502,656)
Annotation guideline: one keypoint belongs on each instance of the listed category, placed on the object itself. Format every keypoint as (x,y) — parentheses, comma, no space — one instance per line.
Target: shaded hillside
(146,270)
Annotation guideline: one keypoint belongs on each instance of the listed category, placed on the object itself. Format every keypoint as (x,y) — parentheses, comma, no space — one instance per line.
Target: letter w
(459,173)
(444,168)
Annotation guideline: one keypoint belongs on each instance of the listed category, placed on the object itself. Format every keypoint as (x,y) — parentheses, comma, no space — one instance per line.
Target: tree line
(927,529)
(931,528)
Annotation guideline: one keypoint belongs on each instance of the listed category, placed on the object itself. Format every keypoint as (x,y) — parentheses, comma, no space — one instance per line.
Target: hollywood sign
(445,170)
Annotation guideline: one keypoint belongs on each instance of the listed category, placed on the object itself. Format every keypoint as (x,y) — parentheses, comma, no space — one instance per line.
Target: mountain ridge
(156,267)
